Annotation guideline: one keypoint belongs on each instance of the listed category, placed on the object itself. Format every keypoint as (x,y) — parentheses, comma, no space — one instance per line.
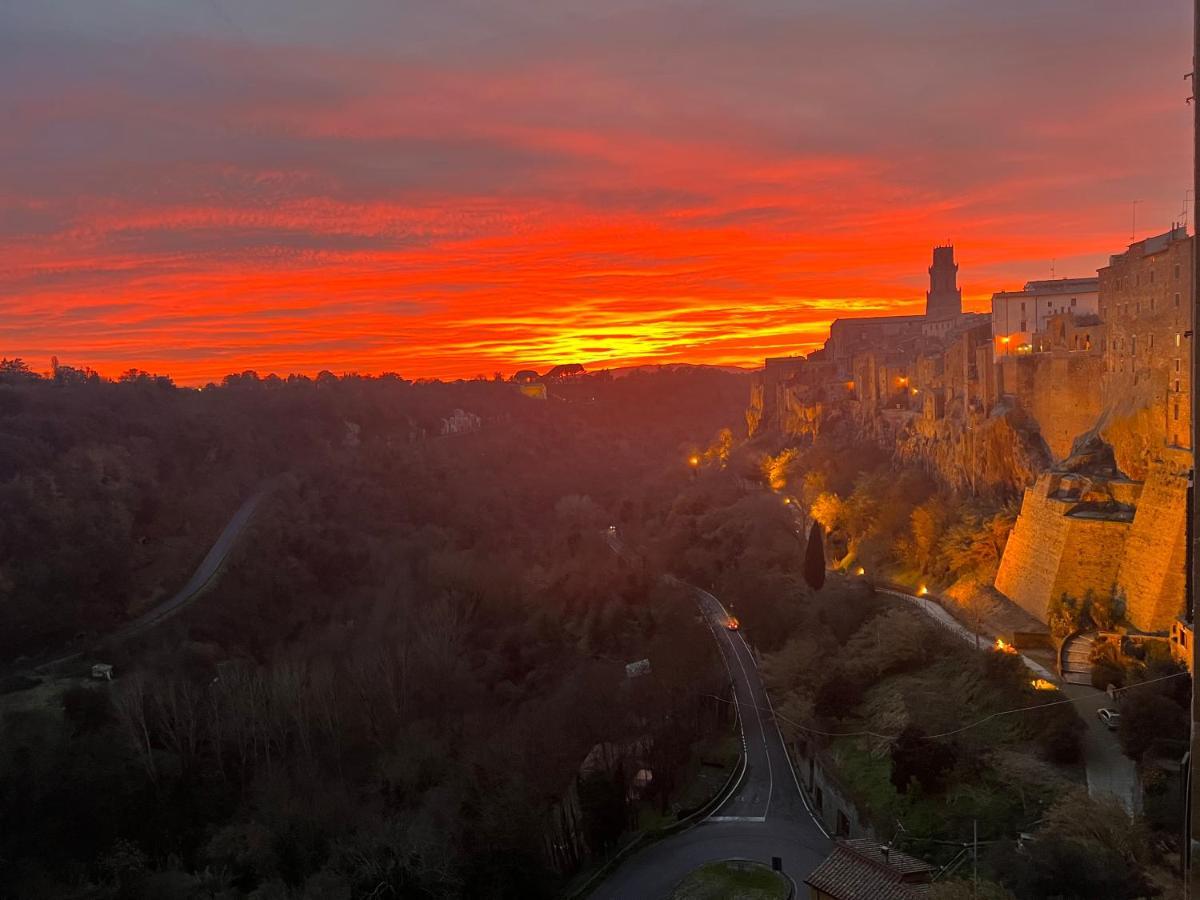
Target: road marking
(737,818)
(716,604)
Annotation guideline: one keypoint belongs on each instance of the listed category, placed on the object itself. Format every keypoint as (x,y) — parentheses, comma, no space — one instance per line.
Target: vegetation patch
(733,880)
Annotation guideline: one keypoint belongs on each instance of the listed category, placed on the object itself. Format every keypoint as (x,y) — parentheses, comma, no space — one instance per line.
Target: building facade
(1146,305)
(1018,315)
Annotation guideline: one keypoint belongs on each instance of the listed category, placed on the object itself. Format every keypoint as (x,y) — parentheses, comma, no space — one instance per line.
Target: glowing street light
(860,571)
(922,591)
(693,461)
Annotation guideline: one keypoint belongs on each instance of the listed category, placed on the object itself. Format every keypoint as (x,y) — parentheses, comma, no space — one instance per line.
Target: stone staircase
(1077,659)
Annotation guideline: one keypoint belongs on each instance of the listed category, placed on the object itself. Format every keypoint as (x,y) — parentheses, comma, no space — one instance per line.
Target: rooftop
(1151,245)
(865,868)
(1052,286)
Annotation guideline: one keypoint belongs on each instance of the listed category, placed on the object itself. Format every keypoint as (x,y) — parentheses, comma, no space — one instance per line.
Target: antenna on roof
(1133,223)
(1052,262)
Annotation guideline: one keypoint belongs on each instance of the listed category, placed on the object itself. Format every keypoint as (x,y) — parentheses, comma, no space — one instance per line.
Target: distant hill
(676,367)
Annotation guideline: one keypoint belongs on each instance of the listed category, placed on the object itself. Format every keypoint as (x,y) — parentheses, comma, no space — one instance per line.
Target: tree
(1147,717)
(814,558)
(915,756)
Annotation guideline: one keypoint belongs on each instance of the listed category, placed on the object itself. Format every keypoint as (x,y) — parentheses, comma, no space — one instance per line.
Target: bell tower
(943,300)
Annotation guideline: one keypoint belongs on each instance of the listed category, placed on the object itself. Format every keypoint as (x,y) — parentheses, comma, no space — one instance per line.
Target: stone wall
(1055,550)
(1059,390)
(1152,574)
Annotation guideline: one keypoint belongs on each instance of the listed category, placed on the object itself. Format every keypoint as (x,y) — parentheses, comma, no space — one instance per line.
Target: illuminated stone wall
(1059,390)
(1151,577)
(1052,551)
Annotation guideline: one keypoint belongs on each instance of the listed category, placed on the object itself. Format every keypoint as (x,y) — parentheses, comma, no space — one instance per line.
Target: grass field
(733,880)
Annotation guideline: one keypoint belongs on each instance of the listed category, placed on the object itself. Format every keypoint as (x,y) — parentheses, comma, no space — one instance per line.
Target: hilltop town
(1073,395)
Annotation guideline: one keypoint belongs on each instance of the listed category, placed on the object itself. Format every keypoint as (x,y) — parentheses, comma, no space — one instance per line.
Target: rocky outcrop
(997,454)
(790,410)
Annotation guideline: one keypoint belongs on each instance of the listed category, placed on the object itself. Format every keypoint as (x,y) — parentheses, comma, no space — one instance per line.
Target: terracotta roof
(859,870)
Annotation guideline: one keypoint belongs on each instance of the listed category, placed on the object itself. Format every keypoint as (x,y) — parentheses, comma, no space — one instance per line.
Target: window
(1137,307)
(1177,272)
(1176,365)
(1133,346)
(1176,410)
(1152,276)
(1072,301)
(1177,385)
(1177,294)
(1022,307)
(1151,304)
(1177,339)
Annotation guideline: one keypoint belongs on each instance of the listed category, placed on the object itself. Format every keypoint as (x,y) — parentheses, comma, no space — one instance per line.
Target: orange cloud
(598,192)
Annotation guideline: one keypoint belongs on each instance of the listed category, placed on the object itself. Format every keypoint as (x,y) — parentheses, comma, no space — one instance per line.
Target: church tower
(943,300)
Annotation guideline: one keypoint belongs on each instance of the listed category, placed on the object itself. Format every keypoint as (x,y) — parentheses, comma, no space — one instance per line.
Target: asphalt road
(201,579)
(764,817)
(205,572)
(1109,771)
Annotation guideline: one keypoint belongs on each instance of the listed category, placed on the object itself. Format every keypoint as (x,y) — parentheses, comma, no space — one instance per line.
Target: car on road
(732,623)
(1109,717)
(612,529)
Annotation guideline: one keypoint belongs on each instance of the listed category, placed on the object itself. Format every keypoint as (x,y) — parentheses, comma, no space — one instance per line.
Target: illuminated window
(1177,339)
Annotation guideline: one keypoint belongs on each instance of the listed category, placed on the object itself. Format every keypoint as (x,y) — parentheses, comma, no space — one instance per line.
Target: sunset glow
(462,188)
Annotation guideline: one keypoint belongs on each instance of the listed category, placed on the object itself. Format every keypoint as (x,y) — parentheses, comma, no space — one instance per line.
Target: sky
(448,188)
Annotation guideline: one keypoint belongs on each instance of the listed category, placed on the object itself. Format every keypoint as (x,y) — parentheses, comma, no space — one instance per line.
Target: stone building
(1018,315)
(943,319)
(943,300)
(1146,306)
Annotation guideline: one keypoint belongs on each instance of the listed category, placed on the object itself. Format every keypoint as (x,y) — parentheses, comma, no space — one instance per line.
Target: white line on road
(737,818)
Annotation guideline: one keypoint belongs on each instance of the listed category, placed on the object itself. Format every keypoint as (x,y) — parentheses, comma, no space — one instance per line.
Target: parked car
(1109,717)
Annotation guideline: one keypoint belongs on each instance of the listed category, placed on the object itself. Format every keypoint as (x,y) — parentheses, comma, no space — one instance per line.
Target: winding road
(201,579)
(764,817)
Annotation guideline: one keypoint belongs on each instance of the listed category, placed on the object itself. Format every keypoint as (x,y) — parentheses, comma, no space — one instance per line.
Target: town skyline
(524,189)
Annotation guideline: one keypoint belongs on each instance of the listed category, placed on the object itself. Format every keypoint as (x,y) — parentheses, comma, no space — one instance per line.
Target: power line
(984,720)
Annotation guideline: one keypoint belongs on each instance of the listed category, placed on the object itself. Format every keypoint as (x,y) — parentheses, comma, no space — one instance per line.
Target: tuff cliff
(779,406)
(996,454)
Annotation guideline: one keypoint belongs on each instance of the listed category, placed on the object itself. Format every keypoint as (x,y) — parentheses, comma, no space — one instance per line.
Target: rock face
(790,410)
(998,454)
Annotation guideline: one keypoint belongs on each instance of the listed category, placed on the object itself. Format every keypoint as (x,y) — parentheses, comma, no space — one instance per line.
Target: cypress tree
(814,558)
